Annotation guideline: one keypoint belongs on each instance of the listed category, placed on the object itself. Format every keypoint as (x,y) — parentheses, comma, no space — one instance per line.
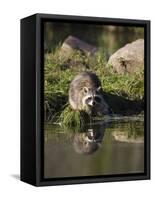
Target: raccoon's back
(85,79)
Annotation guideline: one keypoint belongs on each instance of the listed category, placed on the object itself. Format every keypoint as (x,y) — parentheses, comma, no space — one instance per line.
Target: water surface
(114,146)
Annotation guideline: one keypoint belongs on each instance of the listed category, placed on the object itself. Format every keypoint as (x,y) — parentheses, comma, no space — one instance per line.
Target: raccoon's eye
(85,89)
(89,98)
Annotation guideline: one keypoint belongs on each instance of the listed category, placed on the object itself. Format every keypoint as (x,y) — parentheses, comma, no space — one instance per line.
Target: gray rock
(72,43)
(129,58)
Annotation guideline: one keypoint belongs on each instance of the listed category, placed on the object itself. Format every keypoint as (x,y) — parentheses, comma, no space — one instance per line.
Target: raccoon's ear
(85,89)
(99,89)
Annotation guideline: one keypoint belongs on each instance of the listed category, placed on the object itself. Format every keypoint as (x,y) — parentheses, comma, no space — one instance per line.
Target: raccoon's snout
(92,101)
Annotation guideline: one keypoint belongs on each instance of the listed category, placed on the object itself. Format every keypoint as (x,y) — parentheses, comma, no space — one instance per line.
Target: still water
(114,146)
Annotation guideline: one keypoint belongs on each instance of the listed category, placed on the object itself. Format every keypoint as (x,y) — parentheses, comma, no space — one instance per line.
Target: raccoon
(85,93)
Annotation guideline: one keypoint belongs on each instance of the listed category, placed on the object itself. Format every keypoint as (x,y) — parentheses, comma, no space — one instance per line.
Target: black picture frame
(32,99)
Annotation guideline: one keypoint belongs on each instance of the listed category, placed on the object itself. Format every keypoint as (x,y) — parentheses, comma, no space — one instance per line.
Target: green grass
(60,71)
(71,118)
(129,86)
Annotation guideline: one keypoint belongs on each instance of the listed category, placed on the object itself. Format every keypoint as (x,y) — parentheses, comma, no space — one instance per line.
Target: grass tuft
(71,118)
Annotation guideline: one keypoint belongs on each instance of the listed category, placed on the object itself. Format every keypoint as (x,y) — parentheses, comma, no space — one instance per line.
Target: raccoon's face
(91,96)
(93,101)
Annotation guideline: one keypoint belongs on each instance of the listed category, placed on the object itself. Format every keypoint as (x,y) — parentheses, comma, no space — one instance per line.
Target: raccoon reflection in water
(89,141)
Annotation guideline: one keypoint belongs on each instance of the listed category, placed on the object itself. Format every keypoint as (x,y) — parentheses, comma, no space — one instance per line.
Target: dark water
(114,146)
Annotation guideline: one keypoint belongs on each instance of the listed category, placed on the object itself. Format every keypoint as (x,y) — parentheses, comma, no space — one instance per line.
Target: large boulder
(72,43)
(129,58)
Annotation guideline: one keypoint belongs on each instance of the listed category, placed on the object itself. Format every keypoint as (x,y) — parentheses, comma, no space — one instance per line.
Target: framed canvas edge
(85,180)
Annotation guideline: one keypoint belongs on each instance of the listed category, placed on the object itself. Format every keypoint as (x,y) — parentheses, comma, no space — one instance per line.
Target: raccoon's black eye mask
(89,98)
(97,99)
